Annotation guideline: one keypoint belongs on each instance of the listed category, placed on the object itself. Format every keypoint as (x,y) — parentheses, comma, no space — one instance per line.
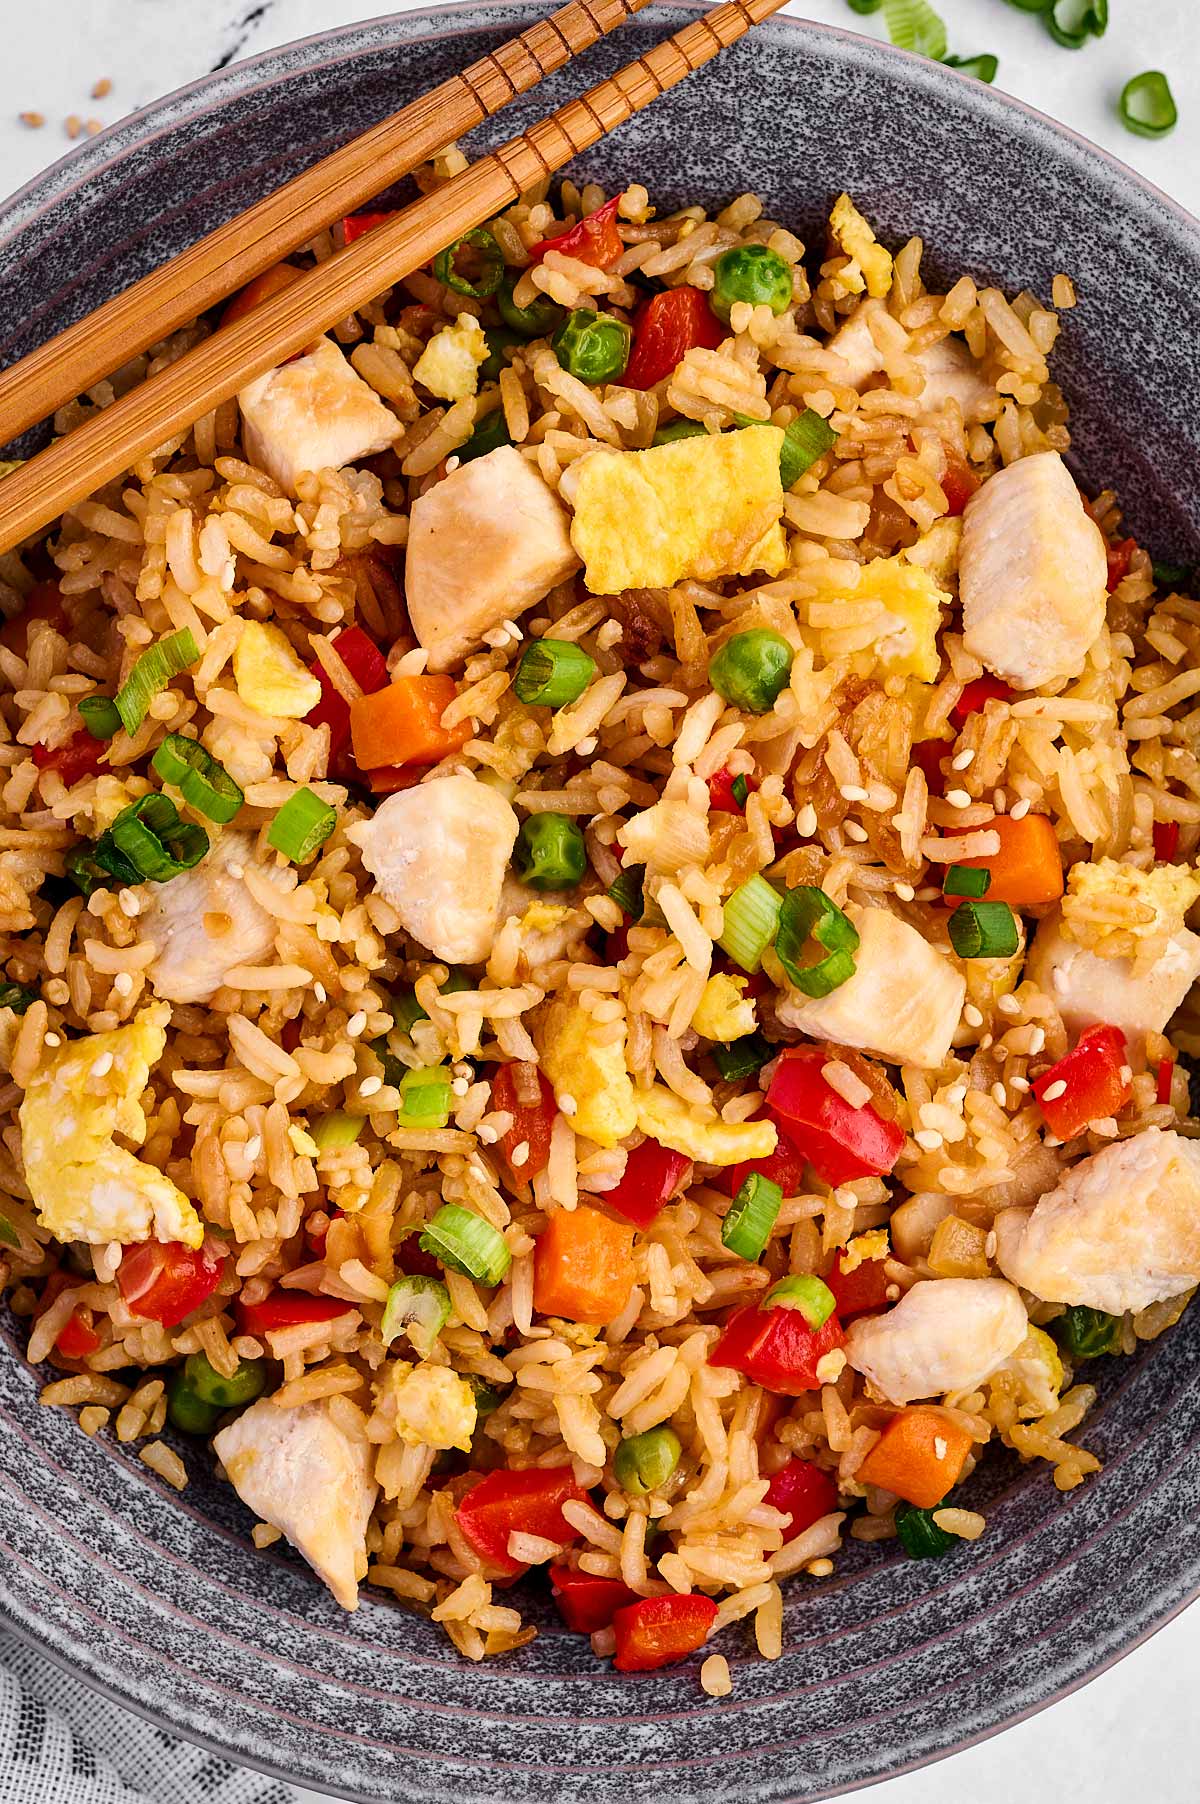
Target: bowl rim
(208,95)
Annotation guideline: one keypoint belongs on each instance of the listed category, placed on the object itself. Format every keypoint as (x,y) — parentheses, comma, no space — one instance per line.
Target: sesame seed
(460,1086)
(369,1086)
(1020,809)
(806,821)
(958,798)
(906,892)
(939,1446)
(34,121)
(93,126)
(852,792)
(999,801)
(962,760)
(1037,1039)
(488,1135)
(1018,1083)
(985,1043)
(1053,1140)
(819,1568)
(972,1016)
(999,1095)
(956,1095)
(253,1147)
(1008,1005)
(103,1065)
(356,1023)
(1053,1091)
(568,1105)
(990,1245)
(892,1292)
(53,1039)
(73,125)
(320,992)
(587,746)
(452,464)
(128,903)
(520,1153)
(929,893)
(929,1139)
(123,983)
(854,831)
(1126,1074)
(101,88)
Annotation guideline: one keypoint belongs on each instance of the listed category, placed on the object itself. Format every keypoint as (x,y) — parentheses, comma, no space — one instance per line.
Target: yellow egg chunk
(909,603)
(699,508)
(872,1245)
(723,1012)
(449,364)
(592,1074)
(270,677)
(666,1118)
(434,1407)
(84,1185)
(856,238)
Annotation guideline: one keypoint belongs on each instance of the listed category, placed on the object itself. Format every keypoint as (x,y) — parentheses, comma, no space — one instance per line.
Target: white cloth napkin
(60,1745)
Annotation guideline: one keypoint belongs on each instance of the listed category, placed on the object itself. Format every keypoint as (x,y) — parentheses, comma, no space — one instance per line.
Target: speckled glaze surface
(162,1601)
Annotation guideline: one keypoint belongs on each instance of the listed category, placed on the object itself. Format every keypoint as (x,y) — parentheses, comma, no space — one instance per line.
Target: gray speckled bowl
(162,1601)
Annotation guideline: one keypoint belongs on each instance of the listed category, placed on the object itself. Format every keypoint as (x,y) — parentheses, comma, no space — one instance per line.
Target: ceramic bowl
(161,1600)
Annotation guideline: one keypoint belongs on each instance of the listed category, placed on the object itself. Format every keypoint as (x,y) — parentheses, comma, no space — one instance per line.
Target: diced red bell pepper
(720,792)
(76,758)
(366,664)
(1166,1074)
(594,240)
(1095,1084)
(1119,556)
(1166,841)
(389,779)
(652,1176)
(415,1262)
(316,1237)
(44,602)
(164,1282)
(77,1337)
(785,1166)
(657,1631)
(840,1142)
(666,328)
(586,1602)
(523,1092)
(776,1348)
(287,1309)
(530,1501)
(958,485)
(860,1291)
(357,225)
(984,689)
(930,754)
(803,1492)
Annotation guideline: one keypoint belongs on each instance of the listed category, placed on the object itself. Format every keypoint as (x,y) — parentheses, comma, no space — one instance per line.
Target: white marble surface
(1131,1732)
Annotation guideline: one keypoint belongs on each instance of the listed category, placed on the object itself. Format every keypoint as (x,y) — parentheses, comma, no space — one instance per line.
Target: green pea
(550,852)
(537,320)
(919,1534)
(750,272)
(490,432)
(498,339)
(211,1386)
(593,346)
(645,1462)
(751,670)
(1087,1333)
(188,1412)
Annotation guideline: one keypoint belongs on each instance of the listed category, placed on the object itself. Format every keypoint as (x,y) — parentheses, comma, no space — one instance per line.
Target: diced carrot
(402,724)
(1027,870)
(583,1266)
(271,281)
(919,1457)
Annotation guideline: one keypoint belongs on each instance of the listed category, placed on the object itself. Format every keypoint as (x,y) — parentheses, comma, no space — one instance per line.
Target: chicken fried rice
(593,879)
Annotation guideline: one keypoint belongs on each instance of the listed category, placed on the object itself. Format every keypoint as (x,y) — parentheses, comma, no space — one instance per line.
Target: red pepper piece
(785,1166)
(657,1631)
(76,758)
(841,1143)
(861,1291)
(666,328)
(594,240)
(415,1262)
(44,602)
(531,1501)
(164,1282)
(1095,1086)
(929,754)
(1166,841)
(1119,556)
(357,225)
(720,792)
(776,1348)
(803,1492)
(77,1337)
(390,778)
(958,485)
(653,1175)
(365,662)
(975,695)
(524,1093)
(585,1601)
(287,1309)
(1166,1073)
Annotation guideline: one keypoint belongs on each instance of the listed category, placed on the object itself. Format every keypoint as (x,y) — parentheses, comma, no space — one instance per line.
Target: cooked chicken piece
(946,1334)
(305,1473)
(204,922)
(903,1002)
(315,413)
(952,374)
(1032,573)
(438,854)
(856,346)
(1087,988)
(484,545)
(1121,1231)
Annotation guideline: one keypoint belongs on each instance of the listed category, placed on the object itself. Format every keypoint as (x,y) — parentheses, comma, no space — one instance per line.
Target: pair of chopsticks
(167,403)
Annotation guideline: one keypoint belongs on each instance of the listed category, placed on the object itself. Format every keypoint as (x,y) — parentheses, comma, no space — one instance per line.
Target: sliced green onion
(199,777)
(1087,1333)
(407,1011)
(919,1534)
(100,716)
(740,1058)
(984,930)
(913,25)
(499,339)
(550,852)
(151,674)
(626,892)
(465,1243)
(538,320)
(419,1307)
(751,670)
(482,251)
(965,880)
(16,997)
(751,918)
(88,874)
(204,1381)
(739,789)
(1072,22)
(1171,576)
(1031,6)
(667,435)
(644,1462)
(864,6)
(808,913)
(302,824)
(748,1223)
(552,672)
(336,1130)
(802,1291)
(425,1097)
(1147,105)
(149,838)
(490,433)
(984,66)
(804,440)
(8,1234)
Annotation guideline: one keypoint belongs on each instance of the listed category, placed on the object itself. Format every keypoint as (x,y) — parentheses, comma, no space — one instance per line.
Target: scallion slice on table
(336,1130)
(751,918)
(465,1243)
(804,440)
(478,249)
(913,25)
(864,6)
(802,1291)
(100,716)
(1030,6)
(552,673)
(1072,22)
(1148,105)
(302,824)
(741,1058)
(419,1307)
(965,880)
(150,840)
(984,930)
(151,674)
(425,1097)
(752,1214)
(808,913)
(199,777)
(984,66)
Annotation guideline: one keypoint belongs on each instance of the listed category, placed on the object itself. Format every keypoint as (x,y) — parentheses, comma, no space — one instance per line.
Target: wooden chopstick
(169,402)
(183,287)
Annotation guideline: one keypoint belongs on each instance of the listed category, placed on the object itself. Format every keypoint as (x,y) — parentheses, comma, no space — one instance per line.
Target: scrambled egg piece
(937,550)
(911,602)
(667,1118)
(449,364)
(870,264)
(723,1012)
(864,1246)
(699,508)
(1039,1372)
(595,1076)
(1163,895)
(84,1185)
(270,677)
(433,1406)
